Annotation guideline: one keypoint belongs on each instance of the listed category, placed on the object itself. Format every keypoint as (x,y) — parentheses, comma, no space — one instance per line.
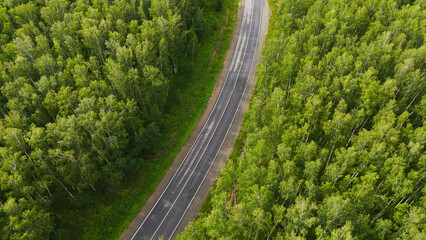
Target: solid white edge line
(226,79)
(211,164)
(220,119)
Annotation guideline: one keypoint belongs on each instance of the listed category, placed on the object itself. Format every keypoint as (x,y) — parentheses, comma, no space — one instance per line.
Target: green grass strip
(105,216)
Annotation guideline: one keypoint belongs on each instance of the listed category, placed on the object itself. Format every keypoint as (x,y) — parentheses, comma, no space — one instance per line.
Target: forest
(332,146)
(83,84)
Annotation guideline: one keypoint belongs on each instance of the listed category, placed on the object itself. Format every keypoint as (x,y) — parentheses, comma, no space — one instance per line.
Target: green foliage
(333,141)
(83,90)
(106,215)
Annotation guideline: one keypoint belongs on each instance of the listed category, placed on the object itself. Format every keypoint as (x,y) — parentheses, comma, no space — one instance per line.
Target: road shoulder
(228,144)
(137,221)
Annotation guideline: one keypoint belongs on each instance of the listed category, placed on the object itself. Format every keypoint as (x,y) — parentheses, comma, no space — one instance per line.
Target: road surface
(168,211)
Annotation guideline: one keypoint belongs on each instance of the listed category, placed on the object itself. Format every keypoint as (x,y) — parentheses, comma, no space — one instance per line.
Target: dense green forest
(332,146)
(83,84)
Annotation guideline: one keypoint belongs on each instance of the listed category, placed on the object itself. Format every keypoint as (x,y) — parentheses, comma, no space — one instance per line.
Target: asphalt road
(168,211)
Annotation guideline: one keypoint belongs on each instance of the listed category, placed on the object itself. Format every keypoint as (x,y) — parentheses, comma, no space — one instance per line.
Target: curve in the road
(171,206)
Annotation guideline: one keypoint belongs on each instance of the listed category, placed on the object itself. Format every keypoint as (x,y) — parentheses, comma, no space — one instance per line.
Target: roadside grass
(106,215)
(238,148)
(207,206)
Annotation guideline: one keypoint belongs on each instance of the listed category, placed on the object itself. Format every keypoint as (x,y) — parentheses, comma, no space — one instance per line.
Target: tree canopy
(83,85)
(332,145)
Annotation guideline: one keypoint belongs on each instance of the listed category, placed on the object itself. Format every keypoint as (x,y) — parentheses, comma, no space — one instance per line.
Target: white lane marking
(242,41)
(238,60)
(186,182)
(233,118)
(193,156)
(183,162)
(243,44)
(247,19)
(236,51)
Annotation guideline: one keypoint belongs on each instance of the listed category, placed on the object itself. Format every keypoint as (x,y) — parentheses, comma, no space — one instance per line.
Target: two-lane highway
(168,211)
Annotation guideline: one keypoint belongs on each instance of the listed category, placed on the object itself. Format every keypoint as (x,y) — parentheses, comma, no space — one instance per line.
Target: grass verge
(207,206)
(106,215)
(238,147)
